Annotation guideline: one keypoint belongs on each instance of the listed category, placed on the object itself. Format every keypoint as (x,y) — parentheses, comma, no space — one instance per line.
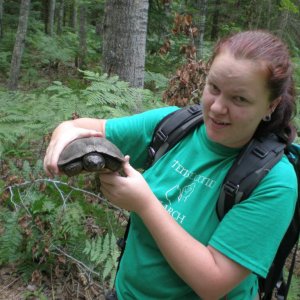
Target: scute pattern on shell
(80,147)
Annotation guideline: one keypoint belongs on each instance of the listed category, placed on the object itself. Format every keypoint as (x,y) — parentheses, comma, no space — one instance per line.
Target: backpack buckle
(194,109)
(231,188)
(160,135)
(260,152)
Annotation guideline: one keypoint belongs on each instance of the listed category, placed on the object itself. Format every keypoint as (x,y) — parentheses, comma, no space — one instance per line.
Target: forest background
(66,59)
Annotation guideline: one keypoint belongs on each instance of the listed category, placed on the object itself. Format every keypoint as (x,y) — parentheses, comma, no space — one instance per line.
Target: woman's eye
(213,88)
(239,99)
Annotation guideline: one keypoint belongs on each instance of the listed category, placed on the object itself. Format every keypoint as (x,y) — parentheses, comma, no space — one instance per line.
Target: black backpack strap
(283,288)
(252,164)
(289,241)
(275,276)
(172,128)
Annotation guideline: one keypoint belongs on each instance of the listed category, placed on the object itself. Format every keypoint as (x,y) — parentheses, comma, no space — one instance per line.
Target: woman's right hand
(65,133)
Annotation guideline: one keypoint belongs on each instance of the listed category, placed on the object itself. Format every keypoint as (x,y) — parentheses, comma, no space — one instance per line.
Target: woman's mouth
(219,122)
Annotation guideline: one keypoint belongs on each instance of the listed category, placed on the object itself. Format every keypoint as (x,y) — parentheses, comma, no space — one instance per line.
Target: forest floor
(70,286)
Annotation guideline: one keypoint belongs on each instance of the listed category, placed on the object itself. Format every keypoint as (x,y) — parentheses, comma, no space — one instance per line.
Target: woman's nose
(219,105)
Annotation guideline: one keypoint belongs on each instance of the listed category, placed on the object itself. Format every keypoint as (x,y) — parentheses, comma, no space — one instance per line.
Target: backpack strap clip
(230,188)
(161,135)
(194,109)
(260,152)
(171,129)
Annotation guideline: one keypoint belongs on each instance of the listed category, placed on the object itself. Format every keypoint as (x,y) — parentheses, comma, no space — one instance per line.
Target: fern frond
(26,170)
(11,238)
(104,252)
(114,93)
(73,216)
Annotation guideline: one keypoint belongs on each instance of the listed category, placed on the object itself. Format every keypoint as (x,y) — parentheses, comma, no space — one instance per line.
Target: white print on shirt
(177,215)
(180,169)
(180,194)
(176,191)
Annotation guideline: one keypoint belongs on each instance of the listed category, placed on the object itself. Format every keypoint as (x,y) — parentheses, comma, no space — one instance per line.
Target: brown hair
(265,47)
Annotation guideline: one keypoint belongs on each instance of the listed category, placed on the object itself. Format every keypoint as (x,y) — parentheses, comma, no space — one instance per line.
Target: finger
(51,159)
(108,178)
(90,133)
(128,169)
(47,164)
(105,192)
(47,171)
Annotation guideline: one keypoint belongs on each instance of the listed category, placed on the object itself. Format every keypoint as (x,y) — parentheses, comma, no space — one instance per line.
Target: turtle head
(93,162)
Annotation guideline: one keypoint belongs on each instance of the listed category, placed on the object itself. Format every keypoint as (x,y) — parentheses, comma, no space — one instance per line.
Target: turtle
(91,154)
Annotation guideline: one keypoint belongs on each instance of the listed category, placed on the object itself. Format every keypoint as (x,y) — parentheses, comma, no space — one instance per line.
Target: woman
(176,247)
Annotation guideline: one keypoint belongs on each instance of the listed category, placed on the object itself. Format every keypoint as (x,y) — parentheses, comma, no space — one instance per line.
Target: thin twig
(61,195)
(56,183)
(52,288)
(6,287)
(11,198)
(21,199)
(76,260)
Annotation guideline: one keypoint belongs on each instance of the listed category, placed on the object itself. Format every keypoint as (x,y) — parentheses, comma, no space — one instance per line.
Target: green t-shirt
(187,180)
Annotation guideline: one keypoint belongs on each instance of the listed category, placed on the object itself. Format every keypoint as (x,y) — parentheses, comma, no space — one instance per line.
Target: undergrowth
(56,227)
(53,224)
(27,118)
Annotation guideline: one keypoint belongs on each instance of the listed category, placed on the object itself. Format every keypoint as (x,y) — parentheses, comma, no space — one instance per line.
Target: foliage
(113,97)
(296,64)
(170,52)
(44,222)
(289,5)
(155,82)
(104,251)
(187,85)
(11,238)
(47,224)
(34,115)
(51,50)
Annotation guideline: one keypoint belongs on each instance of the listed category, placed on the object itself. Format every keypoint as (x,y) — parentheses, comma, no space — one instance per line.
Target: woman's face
(235,99)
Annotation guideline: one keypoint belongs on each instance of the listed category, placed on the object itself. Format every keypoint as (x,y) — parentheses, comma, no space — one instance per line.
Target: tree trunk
(215,21)
(19,45)
(60,18)
(1,19)
(202,9)
(99,27)
(51,17)
(45,14)
(124,39)
(73,15)
(82,36)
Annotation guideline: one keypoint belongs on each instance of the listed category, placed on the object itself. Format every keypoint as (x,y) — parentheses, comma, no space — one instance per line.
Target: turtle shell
(74,153)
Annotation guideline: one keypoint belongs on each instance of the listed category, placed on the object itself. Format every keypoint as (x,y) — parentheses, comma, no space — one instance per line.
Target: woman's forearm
(210,274)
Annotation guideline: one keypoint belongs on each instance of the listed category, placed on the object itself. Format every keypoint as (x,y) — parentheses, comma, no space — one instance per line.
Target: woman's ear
(274,104)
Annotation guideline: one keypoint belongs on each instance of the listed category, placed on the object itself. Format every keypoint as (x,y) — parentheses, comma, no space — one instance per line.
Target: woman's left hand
(131,192)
